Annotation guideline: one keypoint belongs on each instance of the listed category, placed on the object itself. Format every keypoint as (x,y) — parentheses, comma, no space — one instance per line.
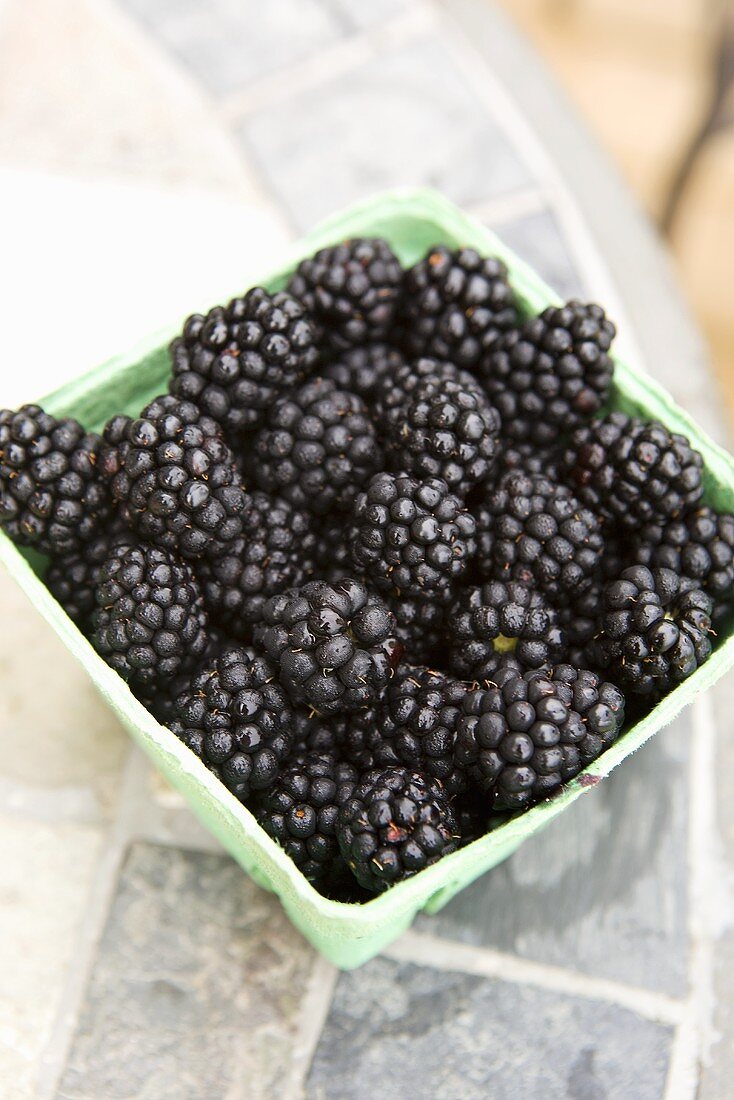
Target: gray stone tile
(195,990)
(603,889)
(228,43)
(537,239)
(400,1030)
(405,117)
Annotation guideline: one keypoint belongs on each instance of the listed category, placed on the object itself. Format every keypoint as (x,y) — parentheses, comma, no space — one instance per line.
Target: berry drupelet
(174,478)
(351,290)
(72,578)
(300,811)
(551,374)
(487,623)
(455,306)
(334,645)
(149,623)
(317,448)
(236,717)
(633,472)
(411,537)
(420,627)
(395,823)
(269,557)
(526,734)
(655,631)
(395,389)
(448,430)
(237,359)
(52,496)
(536,531)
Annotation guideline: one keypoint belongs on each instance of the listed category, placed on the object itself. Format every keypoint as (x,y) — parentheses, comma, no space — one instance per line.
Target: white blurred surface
(88,269)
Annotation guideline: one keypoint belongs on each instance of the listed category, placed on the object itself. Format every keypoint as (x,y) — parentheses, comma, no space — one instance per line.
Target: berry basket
(349,934)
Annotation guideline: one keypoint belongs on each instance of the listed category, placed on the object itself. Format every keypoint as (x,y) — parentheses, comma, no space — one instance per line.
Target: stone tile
(537,239)
(196,988)
(46,873)
(603,889)
(400,1030)
(62,746)
(405,117)
(84,94)
(228,43)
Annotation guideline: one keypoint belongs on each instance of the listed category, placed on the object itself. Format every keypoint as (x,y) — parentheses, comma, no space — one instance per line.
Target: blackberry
(489,622)
(174,478)
(268,558)
(411,537)
(698,547)
(522,737)
(300,811)
(365,370)
(396,823)
(328,556)
(237,719)
(417,722)
(72,578)
(580,615)
(533,530)
(655,631)
(419,627)
(449,431)
(317,449)
(351,290)
(632,471)
(317,733)
(149,623)
(51,494)
(334,644)
(528,459)
(237,359)
(394,390)
(456,304)
(550,374)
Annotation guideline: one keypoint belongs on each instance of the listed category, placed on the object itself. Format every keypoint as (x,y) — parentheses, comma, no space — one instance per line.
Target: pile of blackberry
(380,557)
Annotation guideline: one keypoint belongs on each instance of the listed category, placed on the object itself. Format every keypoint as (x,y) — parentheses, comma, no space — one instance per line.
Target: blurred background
(654,79)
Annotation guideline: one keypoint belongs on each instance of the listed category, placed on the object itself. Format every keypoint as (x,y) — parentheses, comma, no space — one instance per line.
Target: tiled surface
(149,967)
(195,989)
(602,890)
(399,1030)
(406,115)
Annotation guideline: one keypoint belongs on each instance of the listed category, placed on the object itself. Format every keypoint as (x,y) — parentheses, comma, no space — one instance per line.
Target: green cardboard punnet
(350,934)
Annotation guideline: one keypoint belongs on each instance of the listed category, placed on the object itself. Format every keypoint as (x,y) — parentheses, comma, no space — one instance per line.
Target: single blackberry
(417,722)
(236,717)
(52,496)
(317,733)
(449,431)
(150,622)
(300,811)
(327,556)
(580,615)
(268,558)
(395,823)
(351,290)
(456,305)
(236,360)
(698,547)
(317,448)
(419,627)
(526,734)
(528,459)
(334,644)
(534,530)
(72,578)
(411,537)
(550,374)
(365,370)
(633,471)
(655,631)
(395,389)
(174,478)
(487,623)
